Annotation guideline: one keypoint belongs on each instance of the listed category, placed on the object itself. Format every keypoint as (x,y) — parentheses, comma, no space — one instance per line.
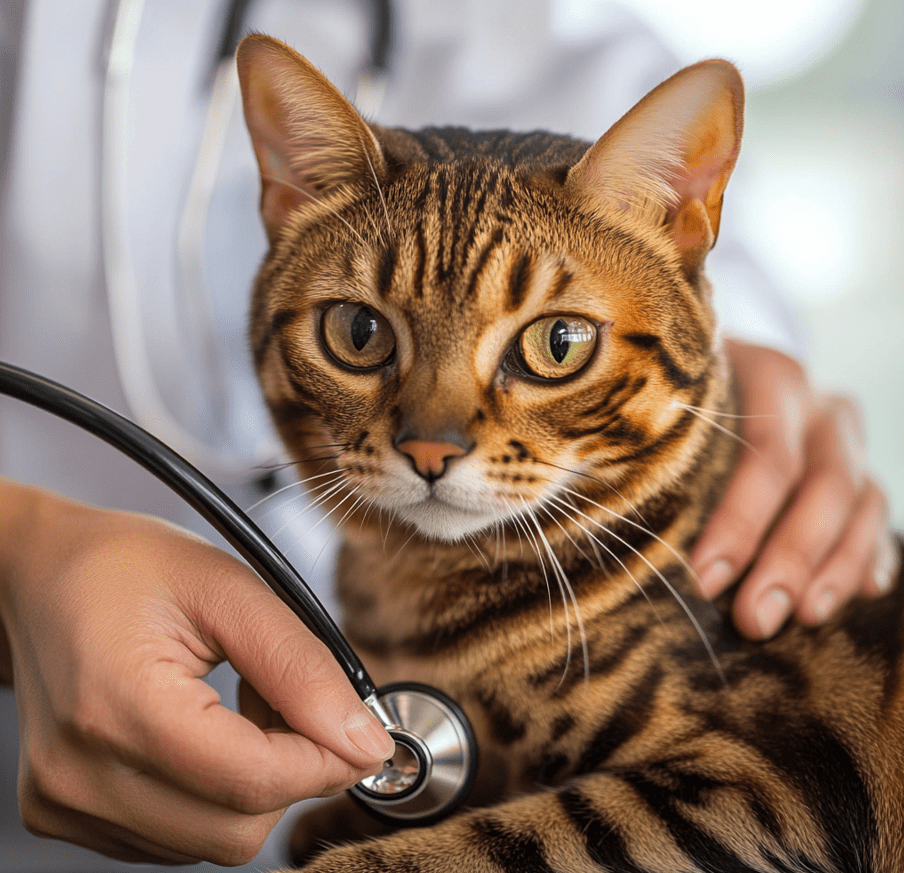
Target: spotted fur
(537,571)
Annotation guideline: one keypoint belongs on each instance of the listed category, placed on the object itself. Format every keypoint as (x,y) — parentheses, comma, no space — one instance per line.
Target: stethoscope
(128,324)
(435,760)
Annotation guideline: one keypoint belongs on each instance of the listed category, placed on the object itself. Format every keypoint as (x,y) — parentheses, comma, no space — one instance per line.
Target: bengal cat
(494,359)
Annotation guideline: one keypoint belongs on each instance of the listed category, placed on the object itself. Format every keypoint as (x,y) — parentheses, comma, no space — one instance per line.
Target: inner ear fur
(668,160)
(308,139)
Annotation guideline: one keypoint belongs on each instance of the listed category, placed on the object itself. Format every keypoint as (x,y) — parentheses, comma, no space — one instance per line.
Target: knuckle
(875,498)
(42,780)
(87,720)
(839,483)
(781,463)
(51,784)
(795,568)
(253,791)
(790,369)
(242,842)
(33,806)
(843,406)
(36,819)
(310,671)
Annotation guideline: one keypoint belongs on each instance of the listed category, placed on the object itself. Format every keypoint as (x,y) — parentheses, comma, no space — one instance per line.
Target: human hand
(111,620)
(801,502)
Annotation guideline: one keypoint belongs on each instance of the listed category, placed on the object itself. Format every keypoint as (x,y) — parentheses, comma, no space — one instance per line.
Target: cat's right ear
(309,140)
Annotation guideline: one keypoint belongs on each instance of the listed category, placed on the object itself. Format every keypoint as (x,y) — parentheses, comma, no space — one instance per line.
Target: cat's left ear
(668,160)
(309,140)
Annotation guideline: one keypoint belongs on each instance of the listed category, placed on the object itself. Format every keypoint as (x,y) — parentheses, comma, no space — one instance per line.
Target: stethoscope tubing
(201,494)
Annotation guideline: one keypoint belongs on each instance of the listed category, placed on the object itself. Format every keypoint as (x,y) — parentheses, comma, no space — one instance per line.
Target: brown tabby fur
(620,743)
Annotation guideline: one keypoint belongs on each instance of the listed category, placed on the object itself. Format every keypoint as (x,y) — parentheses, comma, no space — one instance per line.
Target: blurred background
(823,172)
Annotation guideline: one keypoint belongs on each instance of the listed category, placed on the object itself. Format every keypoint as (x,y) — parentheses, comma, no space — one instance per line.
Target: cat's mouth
(437,517)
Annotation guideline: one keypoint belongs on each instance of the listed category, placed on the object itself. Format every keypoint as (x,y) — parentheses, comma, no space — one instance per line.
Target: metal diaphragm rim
(429,717)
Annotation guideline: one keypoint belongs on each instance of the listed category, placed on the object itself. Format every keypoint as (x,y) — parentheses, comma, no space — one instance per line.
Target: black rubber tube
(201,494)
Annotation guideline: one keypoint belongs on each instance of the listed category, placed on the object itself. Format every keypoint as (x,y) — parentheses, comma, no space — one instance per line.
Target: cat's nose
(430,458)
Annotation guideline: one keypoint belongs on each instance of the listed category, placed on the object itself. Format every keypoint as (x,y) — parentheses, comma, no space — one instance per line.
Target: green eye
(555,347)
(357,336)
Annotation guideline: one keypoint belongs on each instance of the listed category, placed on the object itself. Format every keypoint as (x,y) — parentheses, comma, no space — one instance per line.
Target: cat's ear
(668,160)
(309,140)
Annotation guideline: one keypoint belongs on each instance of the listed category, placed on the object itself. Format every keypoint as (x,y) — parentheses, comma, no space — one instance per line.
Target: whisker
(721,414)
(470,541)
(297,483)
(322,203)
(500,534)
(571,539)
(314,504)
(520,541)
(564,587)
(520,523)
(373,173)
(671,589)
(395,557)
(594,539)
(693,411)
(336,526)
(373,223)
(371,506)
(592,478)
(348,496)
(386,532)
(645,529)
(593,544)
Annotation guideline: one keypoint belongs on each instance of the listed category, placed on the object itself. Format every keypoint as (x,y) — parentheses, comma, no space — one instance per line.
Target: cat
(494,358)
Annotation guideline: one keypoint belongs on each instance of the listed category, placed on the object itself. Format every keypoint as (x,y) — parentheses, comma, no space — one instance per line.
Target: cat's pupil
(364,325)
(558,341)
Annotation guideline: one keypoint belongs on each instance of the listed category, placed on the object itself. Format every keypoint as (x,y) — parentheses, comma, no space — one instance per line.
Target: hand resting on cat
(801,502)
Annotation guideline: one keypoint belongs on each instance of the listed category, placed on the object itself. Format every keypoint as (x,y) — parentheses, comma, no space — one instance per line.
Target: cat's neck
(396,585)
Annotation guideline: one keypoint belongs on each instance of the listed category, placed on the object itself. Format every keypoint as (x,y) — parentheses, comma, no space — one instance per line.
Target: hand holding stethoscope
(434,764)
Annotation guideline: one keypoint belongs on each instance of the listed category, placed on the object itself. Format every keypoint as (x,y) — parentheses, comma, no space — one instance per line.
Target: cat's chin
(439,521)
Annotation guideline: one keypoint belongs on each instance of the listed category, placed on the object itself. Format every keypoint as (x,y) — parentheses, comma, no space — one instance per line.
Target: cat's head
(463,330)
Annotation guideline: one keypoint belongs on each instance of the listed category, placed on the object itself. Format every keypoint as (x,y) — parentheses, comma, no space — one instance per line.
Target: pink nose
(430,458)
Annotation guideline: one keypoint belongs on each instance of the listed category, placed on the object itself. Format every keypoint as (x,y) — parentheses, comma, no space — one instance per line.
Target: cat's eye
(559,346)
(357,335)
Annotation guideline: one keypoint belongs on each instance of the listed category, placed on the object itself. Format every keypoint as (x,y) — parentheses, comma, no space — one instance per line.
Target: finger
(769,468)
(810,527)
(887,567)
(132,816)
(100,836)
(257,710)
(855,565)
(188,739)
(295,673)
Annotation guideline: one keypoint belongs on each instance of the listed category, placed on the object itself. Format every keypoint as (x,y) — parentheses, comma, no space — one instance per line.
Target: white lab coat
(474,62)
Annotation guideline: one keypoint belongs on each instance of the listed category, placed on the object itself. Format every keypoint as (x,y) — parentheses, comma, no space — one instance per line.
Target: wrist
(24,515)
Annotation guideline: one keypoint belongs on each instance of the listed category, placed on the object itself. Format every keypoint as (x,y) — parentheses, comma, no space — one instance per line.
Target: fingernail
(887,565)
(824,606)
(366,732)
(715,578)
(774,607)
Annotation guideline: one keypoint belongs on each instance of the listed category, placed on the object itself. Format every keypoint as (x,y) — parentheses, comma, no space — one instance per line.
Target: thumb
(292,670)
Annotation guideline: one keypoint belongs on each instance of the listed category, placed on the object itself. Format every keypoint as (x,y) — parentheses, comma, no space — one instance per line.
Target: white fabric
(474,62)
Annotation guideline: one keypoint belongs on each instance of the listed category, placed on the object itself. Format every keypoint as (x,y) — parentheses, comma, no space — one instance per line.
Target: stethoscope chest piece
(433,768)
